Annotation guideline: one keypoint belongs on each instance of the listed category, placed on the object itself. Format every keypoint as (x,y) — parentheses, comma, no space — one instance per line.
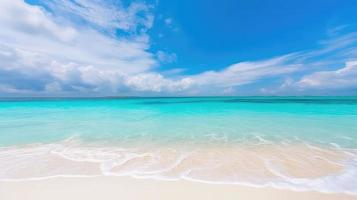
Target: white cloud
(335,30)
(17,16)
(157,83)
(106,14)
(10,89)
(341,78)
(36,46)
(47,51)
(37,32)
(166,57)
(53,87)
(247,72)
(173,71)
(221,82)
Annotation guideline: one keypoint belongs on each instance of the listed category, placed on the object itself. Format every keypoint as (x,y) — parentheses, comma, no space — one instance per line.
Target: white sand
(123,188)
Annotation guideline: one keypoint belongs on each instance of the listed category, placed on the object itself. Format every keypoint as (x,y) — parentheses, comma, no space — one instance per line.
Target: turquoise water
(299,143)
(315,119)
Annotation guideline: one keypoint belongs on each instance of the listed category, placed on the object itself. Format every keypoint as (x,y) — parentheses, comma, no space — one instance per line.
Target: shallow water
(303,143)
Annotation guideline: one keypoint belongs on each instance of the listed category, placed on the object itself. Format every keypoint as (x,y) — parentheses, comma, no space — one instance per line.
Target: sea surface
(298,143)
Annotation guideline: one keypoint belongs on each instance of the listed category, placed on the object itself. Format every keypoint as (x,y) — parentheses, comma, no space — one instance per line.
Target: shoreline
(290,168)
(110,187)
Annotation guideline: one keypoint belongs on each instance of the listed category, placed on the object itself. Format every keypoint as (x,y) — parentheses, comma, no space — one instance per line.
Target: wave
(294,166)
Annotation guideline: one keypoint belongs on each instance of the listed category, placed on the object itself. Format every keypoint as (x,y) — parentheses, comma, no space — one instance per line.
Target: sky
(177,47)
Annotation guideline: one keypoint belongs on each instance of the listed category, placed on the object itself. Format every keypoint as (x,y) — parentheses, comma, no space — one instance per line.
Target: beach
(178,100)
(167,148)
(126,188)
(254,171)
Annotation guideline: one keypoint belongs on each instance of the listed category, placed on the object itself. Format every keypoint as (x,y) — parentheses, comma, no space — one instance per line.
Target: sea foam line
(342,182)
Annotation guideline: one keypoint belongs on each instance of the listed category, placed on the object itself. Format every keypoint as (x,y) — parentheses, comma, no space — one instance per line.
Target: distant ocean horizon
(295,142)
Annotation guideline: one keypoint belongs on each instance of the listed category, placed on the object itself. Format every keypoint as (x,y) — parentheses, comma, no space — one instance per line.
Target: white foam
(13,159)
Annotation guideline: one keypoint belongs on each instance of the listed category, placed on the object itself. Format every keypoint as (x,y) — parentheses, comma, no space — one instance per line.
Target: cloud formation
(37,47)
(247,72)
(109,15)
(74,48)
(345,77)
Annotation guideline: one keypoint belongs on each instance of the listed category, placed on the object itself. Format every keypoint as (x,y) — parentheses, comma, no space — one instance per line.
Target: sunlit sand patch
(29,164)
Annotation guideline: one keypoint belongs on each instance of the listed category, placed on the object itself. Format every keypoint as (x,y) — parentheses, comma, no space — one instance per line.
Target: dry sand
(126,188)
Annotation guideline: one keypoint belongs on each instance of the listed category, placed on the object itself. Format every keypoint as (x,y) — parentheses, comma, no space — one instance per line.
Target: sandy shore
(124,188)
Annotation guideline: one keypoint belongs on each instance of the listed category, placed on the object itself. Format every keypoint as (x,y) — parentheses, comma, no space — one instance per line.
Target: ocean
(299,143)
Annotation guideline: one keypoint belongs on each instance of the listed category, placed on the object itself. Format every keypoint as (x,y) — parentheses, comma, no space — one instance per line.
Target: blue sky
(177,47)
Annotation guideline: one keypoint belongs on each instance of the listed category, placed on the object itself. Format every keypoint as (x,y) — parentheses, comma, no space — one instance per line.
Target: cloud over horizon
(74,48)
